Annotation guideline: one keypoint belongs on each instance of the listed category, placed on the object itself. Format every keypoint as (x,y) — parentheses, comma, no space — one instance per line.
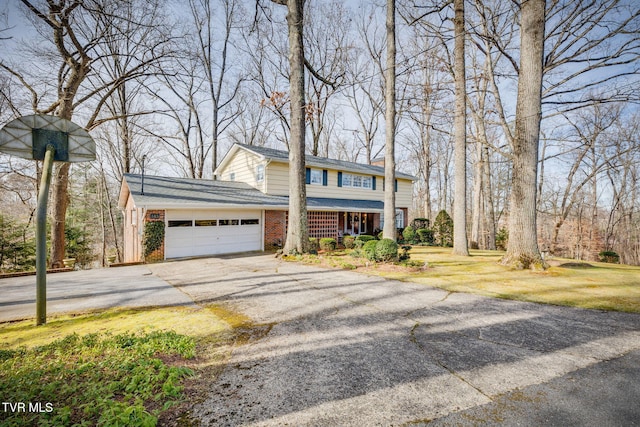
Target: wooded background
(178,82)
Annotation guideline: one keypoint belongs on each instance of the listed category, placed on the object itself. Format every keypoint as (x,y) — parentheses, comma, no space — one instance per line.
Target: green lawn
(119,367)
(567,282)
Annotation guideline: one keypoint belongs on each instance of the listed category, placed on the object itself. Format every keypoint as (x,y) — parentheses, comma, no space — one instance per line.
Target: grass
(591,285)
(119,367)
(567,282)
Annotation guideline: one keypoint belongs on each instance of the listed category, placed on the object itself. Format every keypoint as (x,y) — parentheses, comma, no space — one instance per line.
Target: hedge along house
(246,208)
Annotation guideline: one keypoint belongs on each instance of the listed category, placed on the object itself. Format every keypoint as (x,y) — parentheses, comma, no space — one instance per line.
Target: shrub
(419,223)
(358,244)
(405,253)
(610,257)
(313,245)
(328,244)
(443,229)
(365,237)
(380,235)
(78,246)
(502,238)
(386,250)
(369,250)
(17,248)
(349,242)
(425,235)
(409,234)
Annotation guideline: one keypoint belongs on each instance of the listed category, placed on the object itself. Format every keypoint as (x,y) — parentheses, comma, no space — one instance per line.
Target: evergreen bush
(443,229)
(502,239)
(419,223)
(365,237)
(386,250)
(369,250)
(314,246)
(348,242)
(610,257)
(328,244)
(409,235)
(425,236)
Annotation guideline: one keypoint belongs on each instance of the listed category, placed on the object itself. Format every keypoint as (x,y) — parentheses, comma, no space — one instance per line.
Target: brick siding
(158,254)
(275,229)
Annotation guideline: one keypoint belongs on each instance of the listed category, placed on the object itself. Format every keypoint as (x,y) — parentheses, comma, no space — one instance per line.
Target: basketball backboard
(28,136)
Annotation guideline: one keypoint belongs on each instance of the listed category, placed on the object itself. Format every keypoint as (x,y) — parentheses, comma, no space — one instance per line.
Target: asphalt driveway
(354,350)
(345,349)
(133,286)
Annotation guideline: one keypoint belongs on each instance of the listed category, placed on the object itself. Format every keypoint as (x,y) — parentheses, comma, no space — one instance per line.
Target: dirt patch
(576,265)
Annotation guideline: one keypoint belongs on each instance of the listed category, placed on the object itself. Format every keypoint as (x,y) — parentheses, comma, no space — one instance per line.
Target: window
(357,181)
(316,177)
(260,173)
(222,222)
(180,223)
(253,221)
(232,176)
(206,222)
(366,182)
(399,219)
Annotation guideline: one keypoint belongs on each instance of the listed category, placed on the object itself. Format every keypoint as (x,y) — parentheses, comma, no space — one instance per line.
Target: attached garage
(212,232)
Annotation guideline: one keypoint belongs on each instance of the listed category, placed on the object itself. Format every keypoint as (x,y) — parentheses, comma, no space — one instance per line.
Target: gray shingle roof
(323,162)
(197,192)
(164,192)
(344,204)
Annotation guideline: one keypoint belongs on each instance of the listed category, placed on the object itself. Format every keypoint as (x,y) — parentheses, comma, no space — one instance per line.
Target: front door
(356,223)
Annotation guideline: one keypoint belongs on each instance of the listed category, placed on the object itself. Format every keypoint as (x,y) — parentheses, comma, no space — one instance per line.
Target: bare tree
(74,35)
(326,51)
(222,84)
(522,249)
(365,90)
(460,134)
(389,228)
(297,227)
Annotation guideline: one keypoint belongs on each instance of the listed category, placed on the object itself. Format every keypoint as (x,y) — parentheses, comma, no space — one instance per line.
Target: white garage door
(197,233)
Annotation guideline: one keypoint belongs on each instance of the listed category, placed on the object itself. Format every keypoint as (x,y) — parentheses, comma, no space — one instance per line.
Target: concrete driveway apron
(349,349)
(133,286)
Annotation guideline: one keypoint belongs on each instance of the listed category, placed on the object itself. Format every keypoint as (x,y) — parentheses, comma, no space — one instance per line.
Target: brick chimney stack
(378,161)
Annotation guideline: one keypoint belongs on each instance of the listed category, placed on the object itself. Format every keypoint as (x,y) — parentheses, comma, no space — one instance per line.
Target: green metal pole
(41,237)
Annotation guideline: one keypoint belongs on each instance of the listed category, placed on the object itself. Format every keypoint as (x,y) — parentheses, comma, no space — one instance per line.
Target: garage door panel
(211,238)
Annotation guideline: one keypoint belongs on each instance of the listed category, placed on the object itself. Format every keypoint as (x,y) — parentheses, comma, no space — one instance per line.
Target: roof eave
(124,194)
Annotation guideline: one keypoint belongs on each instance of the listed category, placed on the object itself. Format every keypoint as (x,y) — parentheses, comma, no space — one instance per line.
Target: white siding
(278,184)
(244,166)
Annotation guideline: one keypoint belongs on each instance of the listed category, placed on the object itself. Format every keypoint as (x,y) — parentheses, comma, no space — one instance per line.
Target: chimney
(378,161)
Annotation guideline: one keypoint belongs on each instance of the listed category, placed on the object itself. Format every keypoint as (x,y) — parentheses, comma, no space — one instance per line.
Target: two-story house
(245,209)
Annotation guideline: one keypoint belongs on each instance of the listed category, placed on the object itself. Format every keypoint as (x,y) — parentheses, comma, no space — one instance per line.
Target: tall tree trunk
(460,136)
(389,227)
(297,230)
(522,249)
(490,214)
(60,198)
(477,211)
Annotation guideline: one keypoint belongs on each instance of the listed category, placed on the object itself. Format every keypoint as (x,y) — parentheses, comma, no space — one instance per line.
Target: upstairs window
(260,173)
(357,181)
(315,177)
